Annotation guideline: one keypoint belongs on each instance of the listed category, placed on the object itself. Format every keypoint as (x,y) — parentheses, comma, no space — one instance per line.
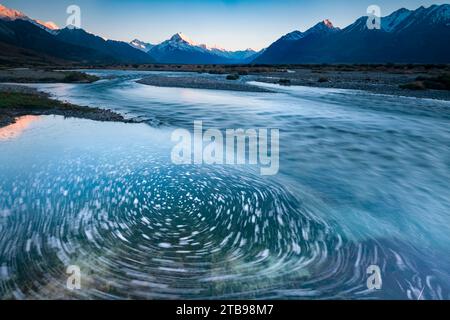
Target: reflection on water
(363,181)
(14,130)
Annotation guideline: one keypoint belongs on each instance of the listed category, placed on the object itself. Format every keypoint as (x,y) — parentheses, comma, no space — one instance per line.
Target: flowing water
(364,180)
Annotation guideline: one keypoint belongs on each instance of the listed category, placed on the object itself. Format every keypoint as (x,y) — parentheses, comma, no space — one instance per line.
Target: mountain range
(180,49)
(405,36)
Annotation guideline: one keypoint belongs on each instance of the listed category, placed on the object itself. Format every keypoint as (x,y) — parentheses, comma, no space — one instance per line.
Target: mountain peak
(10,14)
(328,23)
(181,37)
(141,45)
(324,26)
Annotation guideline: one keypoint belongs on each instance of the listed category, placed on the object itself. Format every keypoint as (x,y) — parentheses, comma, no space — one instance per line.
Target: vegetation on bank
(27,101)
(441,82)
(79,77)
(14,104)
(284,82)
(244,69)
(233,76)
(25,75)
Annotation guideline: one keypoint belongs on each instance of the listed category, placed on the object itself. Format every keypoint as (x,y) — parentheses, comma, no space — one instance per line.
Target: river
(363,181)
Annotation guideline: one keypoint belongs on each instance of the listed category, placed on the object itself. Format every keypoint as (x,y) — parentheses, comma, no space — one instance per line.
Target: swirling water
(364,180)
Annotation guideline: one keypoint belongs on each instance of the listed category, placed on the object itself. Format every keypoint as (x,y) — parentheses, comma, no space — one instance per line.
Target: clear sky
(232,24)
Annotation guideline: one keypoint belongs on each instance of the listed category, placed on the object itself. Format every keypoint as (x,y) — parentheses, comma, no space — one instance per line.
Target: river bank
(16,101)
(27,75)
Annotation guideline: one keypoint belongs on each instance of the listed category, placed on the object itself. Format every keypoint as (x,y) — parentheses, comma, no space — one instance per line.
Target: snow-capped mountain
(406,36)
(323,27)
(180,49)
(179,41)
(140,45)
(8,14)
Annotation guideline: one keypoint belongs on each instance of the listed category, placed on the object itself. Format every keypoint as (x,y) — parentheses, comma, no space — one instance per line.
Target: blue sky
(232,24)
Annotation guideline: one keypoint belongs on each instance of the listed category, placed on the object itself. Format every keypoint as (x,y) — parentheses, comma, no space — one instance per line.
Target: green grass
(15,104)
(25,100)
(38,102)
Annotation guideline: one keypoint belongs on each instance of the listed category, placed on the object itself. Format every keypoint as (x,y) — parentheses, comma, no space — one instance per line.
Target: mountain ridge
(181,49)
(405,36)
(46,40)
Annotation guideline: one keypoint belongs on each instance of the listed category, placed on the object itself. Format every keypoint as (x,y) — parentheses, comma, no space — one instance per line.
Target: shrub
(284,82)
(441,82)
(233,76)
(416,85)
(74,76)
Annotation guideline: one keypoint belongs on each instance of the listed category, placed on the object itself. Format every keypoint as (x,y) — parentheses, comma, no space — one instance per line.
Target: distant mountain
(140,45)
(120,51)
(180,49)
(406,36)
(281,49)
(45,41)
(242,56)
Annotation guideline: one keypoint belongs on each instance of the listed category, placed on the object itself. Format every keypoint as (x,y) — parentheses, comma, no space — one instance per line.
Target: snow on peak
(143,46)
(440,13)
(49,24)
(10,14)
(404,18)
(328,23)
(181,40)
(181,37)
(295,35)
(324,26)
(391,22)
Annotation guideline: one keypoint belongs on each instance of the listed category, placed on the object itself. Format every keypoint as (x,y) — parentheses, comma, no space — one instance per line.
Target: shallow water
(363,181)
